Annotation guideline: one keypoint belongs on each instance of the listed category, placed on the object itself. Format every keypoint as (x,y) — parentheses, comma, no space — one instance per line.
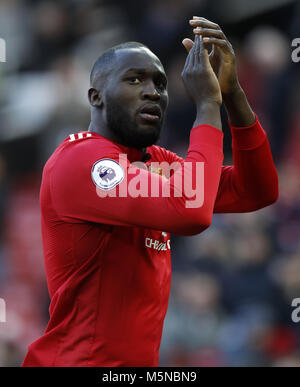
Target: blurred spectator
(233,285)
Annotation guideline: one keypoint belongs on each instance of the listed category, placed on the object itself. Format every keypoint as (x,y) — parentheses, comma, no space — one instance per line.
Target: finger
(186,64)
(209,29)
(214,52)
(193,50)
(197,49)
(199,34)
(202,22)
(188,44)
(188,61)
(209,32)
(224,45)
(203,53)
(197,19)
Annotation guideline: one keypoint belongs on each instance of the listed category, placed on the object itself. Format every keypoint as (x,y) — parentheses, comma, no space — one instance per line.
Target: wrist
(208,104)
(208,112)
(235,92)
(238,109)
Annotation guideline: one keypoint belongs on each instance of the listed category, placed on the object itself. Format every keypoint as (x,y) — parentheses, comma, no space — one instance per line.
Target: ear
(95,97)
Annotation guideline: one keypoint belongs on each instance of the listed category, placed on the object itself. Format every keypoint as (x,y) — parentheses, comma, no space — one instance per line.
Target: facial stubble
(127,129)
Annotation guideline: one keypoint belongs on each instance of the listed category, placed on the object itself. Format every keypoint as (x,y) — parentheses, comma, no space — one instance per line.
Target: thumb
(188,44)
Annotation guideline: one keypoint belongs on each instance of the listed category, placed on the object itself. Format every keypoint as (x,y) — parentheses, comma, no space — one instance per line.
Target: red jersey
(108,258)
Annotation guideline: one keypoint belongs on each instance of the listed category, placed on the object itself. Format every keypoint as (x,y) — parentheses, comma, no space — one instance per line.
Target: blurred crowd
(233,285)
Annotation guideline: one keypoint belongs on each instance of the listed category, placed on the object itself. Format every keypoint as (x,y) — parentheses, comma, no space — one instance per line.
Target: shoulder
(78,155)
(83,147)
(82,160)
(89,143)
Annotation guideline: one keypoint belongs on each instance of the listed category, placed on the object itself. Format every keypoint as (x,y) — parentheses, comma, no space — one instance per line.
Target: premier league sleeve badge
(107,173)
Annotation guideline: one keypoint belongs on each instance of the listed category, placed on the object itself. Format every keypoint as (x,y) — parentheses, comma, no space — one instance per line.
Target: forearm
(252,182)
(253,163)
(208,113)
(238,109)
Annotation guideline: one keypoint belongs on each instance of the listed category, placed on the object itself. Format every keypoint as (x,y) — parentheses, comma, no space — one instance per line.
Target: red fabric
(108,282)
(252,182)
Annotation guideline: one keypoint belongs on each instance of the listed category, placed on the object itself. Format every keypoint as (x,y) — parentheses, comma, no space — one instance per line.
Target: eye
(134,80)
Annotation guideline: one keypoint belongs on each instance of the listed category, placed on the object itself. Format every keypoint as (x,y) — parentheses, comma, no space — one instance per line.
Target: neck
(98,125)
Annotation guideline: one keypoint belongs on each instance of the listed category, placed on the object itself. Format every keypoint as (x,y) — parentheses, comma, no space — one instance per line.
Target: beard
(127,129)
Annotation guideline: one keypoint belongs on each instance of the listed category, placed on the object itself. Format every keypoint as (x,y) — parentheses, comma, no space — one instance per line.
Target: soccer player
(107,257)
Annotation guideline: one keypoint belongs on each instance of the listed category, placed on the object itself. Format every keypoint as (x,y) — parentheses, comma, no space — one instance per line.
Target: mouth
(151,113)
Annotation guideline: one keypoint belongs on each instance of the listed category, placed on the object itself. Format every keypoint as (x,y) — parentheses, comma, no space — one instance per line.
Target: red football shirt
(108,258)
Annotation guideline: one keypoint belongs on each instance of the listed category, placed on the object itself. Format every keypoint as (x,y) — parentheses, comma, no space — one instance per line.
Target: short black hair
(105,61)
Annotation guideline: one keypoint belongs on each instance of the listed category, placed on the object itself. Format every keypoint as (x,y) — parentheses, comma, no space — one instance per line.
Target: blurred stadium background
(233,285)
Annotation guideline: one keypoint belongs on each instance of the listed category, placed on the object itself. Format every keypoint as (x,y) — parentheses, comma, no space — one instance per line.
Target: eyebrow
(143,71)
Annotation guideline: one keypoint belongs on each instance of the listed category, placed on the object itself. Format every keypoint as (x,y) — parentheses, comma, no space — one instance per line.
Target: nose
(150,92)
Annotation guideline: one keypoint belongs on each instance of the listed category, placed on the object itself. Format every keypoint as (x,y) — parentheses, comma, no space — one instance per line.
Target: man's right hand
(198,76)
(202,85)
